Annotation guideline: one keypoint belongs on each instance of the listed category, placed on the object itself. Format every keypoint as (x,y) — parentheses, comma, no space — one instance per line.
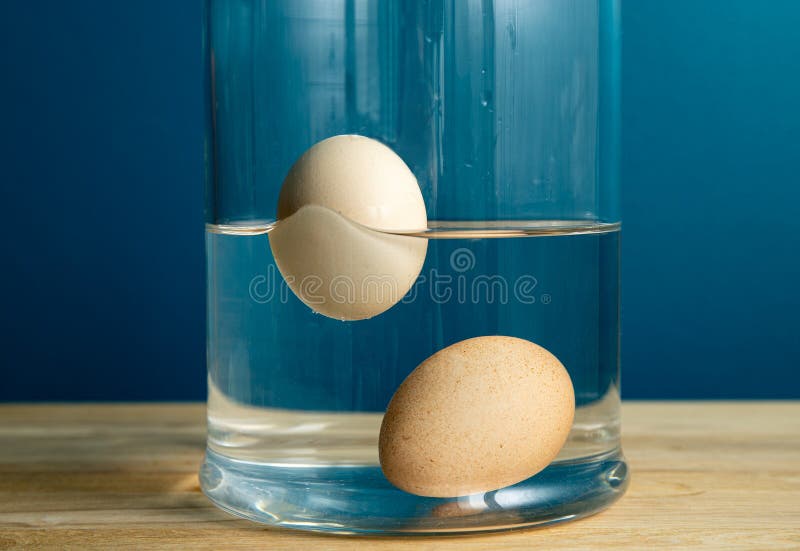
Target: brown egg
(477,416)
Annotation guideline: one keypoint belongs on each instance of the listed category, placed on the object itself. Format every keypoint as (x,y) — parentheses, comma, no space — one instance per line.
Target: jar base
(359,500)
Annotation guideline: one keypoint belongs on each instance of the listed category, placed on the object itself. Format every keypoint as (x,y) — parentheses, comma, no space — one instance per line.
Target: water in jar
(296,398)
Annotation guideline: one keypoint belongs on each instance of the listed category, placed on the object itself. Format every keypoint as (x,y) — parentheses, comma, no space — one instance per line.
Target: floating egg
(331,244)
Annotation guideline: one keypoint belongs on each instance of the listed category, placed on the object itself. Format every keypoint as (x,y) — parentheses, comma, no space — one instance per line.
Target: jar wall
(507,112)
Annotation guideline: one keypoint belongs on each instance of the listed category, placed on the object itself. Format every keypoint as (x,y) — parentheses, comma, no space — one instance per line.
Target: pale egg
(477,416)
(330,243)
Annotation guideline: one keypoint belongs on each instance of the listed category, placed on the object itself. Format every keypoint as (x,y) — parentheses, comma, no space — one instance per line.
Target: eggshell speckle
(335,203)
(477,416)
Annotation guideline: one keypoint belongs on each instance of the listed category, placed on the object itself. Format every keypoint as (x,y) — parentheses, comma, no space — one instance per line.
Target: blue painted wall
(711,202)
(101,200)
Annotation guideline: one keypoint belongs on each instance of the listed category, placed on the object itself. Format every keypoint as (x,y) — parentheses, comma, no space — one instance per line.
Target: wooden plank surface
(715,474)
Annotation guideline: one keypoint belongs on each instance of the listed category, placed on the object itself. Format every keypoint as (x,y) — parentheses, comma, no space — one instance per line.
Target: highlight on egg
(339,242)
(477,416)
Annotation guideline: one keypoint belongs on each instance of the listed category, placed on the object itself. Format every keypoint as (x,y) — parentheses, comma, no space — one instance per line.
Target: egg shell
(477,416)
(341,269)
(333,196)
(358,177)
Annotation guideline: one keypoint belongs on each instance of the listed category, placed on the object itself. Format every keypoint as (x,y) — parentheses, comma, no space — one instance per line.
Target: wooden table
(718,474)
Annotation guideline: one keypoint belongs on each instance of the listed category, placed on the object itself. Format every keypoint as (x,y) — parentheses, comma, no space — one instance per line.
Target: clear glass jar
(507,112)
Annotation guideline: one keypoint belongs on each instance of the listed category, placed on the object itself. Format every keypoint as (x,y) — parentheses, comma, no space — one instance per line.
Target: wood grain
(715,474)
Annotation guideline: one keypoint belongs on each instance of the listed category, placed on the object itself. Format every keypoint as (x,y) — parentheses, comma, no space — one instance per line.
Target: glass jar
(507,113)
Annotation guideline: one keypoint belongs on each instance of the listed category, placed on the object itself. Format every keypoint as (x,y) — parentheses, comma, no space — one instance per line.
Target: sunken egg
(477,416)
(339,242)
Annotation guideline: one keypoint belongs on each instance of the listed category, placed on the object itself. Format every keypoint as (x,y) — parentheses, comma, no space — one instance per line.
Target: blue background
(102,206)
